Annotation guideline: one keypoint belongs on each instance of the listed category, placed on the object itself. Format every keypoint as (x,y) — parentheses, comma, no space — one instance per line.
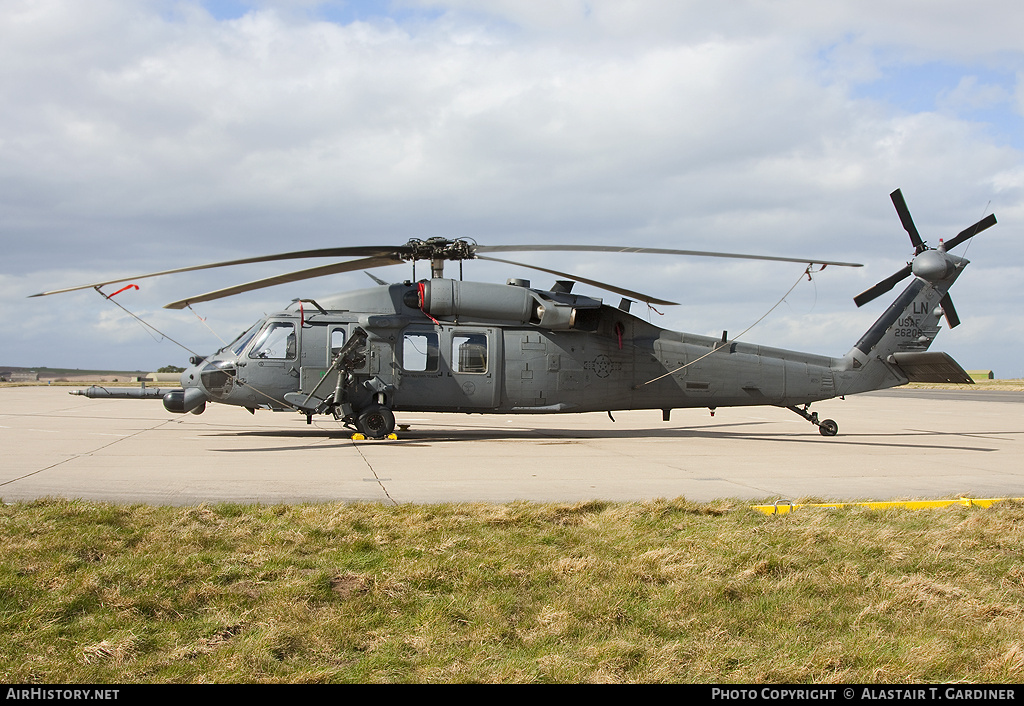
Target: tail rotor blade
(907,221)
(882,287)
(968,233)
(948,309)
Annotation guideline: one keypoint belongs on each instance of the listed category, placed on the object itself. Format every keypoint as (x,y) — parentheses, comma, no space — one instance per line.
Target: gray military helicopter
(450,345)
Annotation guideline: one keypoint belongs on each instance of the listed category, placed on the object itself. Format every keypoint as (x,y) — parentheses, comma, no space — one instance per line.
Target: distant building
(161,377)
(981,375)
(30,376)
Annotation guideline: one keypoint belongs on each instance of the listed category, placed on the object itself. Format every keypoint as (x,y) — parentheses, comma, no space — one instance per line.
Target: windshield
(239,344)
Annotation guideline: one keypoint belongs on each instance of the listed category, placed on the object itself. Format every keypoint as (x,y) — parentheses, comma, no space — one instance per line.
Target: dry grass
(1001,385)
(666,591)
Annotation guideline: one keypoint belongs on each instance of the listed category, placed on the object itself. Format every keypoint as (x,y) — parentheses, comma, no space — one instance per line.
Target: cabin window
(420,352)
(275,342)
(337,342)
(469,352)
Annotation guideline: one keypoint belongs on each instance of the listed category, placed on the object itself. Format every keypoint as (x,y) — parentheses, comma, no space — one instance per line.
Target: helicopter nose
(214,377)
(192,398)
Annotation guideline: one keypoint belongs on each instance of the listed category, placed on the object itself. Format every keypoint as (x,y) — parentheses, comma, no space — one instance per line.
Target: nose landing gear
(376,422)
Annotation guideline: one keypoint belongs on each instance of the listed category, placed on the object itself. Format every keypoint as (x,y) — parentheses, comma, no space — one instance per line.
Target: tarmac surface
(895,445)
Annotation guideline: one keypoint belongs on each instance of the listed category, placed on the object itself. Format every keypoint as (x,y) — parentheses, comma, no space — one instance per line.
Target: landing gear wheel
(376,422)
(826,427)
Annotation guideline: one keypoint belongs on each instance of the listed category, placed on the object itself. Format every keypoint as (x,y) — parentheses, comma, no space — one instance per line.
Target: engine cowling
(513,303)
(479,300)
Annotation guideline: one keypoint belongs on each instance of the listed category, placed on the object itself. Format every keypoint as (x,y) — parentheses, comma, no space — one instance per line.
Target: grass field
(665,591)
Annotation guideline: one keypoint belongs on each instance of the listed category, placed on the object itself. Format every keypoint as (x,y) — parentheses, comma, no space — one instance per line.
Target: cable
(181,345)
(206,324)
(258,391)
(971,240)
(725,344)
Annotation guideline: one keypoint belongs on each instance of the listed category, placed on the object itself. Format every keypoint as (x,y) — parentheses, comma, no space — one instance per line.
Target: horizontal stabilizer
(930,367)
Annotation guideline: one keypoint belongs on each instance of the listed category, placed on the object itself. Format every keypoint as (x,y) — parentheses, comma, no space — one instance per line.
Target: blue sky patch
(972,93)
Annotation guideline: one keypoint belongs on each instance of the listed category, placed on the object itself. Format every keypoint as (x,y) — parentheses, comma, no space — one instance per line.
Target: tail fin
(911,322)
(894,350)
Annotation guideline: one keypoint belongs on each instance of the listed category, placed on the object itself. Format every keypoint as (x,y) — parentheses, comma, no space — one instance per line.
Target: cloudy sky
(140,135)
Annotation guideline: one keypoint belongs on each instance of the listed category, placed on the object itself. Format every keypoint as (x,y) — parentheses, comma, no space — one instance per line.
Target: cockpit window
(276,342)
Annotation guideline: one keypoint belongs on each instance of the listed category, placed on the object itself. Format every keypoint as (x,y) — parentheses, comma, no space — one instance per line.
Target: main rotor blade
(882,287)
(377,251)
(968,233)
(908,222)
(594,283)
(947,308)
(656,251)
(298,276)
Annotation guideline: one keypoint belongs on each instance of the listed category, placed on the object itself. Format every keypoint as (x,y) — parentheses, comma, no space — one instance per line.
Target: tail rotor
(931,264)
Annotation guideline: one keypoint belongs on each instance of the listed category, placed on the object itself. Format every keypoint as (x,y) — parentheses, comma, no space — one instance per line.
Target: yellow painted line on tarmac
(782,507)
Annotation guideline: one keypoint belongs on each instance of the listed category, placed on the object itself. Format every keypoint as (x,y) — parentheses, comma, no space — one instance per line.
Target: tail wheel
(828,428)
(376,422)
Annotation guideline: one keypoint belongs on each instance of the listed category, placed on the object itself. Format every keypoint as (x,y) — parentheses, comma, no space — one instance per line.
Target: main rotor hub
(438,249)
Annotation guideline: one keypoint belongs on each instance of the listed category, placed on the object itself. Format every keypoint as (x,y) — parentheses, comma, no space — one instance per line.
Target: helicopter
(448,345)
